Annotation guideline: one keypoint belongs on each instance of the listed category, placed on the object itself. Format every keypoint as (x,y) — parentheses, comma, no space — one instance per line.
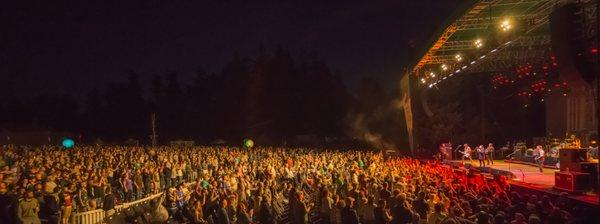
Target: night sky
(53,46)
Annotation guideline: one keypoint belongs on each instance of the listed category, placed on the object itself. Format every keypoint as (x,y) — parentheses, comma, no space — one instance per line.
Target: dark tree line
(273,96)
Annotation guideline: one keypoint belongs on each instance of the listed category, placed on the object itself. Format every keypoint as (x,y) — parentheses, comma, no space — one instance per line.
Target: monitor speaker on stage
(592,169)
(568,43)
(571,181)
(570,159)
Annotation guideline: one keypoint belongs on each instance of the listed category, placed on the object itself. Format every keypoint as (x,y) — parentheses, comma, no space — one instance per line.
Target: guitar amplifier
(570,158)
(571,181)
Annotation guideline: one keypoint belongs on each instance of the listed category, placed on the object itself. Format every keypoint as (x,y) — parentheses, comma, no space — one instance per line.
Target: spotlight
(458,57)
(432,74)
(423,80)
(505,25)
(444,67)
(478,43)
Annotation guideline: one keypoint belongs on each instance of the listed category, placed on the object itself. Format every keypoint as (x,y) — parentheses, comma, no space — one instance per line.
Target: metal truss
(506,60)
(536,14)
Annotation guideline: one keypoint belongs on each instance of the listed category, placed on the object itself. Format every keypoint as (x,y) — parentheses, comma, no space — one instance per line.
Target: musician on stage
(540,156)
(481,155)
(489,151)
(467,153)
(443,153)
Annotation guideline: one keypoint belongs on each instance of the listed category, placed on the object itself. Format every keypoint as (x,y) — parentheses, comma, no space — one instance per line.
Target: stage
(524,175)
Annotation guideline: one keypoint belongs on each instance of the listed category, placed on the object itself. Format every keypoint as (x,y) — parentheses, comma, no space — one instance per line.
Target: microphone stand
(456,150)
(510,158)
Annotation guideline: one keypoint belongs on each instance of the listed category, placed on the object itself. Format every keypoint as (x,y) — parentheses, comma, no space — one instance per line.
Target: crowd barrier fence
(98,215)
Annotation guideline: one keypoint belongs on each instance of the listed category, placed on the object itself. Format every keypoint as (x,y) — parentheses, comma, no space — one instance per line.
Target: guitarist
(490,154)
(540,157)
(466,153)
(481,155)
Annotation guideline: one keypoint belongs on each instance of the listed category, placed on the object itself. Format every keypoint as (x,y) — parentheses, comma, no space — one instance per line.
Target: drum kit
(554,145)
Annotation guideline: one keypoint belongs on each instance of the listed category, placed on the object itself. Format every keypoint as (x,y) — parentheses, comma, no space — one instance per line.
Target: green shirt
(28,208)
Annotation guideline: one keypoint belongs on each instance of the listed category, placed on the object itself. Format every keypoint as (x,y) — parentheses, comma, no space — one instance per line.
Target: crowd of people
(261,185)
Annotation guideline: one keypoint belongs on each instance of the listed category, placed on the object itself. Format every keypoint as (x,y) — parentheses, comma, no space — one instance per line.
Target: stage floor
(525,173)
(530,176)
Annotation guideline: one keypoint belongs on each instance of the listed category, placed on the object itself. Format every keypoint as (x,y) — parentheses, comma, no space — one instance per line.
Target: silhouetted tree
(274,96)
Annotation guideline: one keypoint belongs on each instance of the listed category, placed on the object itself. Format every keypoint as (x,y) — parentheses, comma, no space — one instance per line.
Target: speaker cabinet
(571,181)
(566,31)
(592,169)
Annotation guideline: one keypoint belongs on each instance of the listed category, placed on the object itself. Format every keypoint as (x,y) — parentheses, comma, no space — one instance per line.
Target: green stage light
(248,143)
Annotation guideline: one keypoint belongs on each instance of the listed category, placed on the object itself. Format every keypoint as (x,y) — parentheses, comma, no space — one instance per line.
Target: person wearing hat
(50,184)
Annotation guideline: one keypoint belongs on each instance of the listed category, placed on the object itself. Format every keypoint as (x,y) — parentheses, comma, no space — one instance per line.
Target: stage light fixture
(432,75)
(423,80)
(478,43)
(68,143)
(505,25)
(444,67)
(458,57)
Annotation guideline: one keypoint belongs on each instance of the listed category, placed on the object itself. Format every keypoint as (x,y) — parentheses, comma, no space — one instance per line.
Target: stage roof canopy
(487,36)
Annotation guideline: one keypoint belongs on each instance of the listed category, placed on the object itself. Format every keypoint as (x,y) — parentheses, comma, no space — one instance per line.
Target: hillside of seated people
(258,185)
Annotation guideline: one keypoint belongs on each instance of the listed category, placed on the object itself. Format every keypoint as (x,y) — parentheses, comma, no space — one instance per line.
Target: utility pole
(153,123)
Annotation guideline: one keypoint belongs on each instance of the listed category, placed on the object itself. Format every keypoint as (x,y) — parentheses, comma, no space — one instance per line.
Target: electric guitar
(465,154)
(537,158)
